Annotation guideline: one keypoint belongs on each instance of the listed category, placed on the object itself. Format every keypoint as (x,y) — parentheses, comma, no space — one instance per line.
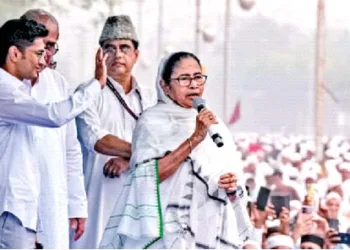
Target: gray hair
(39,15)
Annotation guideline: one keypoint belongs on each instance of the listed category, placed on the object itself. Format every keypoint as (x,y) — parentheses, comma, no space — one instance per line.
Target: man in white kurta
(108,118)
(62,193)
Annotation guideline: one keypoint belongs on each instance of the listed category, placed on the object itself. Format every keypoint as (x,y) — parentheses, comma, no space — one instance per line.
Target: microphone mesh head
(198,102)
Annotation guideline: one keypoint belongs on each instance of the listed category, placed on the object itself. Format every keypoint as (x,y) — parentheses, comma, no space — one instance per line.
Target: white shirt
(106,116)
(62,191)
(20,143)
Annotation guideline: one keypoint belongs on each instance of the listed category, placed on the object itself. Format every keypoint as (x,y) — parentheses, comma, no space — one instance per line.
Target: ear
(137,54)
(14,54)
(165,87)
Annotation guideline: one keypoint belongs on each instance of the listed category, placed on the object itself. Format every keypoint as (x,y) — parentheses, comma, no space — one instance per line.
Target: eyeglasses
(112,50)
(52,47)
(53,65)
(185,81)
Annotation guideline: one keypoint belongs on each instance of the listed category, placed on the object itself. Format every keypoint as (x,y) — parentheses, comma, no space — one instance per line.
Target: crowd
(115,164)
(318,193)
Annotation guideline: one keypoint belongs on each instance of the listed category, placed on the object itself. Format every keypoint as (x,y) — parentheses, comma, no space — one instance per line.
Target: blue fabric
(13,234)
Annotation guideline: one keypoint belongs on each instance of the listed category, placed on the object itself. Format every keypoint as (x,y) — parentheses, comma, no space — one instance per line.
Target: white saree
(187,210)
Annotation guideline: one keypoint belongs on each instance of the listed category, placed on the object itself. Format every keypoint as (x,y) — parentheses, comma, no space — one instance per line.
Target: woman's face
(184,70)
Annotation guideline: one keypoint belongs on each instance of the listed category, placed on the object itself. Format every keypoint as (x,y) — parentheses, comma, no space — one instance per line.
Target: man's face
(121,57)
(50,41)
(31,60)
(272,179)
(333,206)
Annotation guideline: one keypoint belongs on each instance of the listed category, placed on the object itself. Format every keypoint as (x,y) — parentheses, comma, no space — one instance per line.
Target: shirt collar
(135,85)
(8,77)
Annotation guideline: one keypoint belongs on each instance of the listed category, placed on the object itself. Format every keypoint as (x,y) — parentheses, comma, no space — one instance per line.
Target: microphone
(199,104)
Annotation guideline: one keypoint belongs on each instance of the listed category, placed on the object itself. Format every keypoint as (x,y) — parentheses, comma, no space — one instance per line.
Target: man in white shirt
(105,129)
(62,191)
(22,52)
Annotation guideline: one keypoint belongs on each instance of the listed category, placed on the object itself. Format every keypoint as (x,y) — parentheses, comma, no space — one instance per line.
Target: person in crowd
(279,188)
(22,52)
(105,129)
(184,191)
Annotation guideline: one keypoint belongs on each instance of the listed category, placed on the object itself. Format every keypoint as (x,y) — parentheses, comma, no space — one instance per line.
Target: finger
(120,170)
(210,116)
(74,224)
(207,122)
(230,185)
(105,169)
(99,55)
(270,209)
(227,175)
(206,117)
(230,189)
(204,112)
(105,58)
(228,181)
(79,232)
(333,234)
(285,210)
(109,169)
(114,171)
(335,240)
(117,170)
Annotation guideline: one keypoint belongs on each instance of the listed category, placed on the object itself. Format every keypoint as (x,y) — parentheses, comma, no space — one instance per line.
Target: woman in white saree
(182,190)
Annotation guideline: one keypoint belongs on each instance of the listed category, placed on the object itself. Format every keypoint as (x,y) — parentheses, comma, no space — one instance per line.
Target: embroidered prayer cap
(280,241)
(117,28)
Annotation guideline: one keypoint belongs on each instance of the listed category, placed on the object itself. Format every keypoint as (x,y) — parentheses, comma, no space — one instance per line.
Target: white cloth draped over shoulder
(187,210)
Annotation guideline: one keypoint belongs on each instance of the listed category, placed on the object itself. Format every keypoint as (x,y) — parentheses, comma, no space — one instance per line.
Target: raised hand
(100,67)
(204,120)
(228,182)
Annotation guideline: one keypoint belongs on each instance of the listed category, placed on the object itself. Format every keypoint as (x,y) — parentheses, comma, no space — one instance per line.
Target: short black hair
(277,172)
(20,33)
(136,44)
(172,61)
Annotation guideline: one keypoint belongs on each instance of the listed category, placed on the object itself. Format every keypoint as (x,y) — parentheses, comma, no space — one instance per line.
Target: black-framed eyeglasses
(185,81)
(112,50)
(53,65)
(52,47)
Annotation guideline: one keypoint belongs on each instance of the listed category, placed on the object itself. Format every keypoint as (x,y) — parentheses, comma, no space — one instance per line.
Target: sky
(78,40)
(303,12)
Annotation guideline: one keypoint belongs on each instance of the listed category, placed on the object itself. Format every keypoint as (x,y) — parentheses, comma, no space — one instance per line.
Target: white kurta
(62,193)
(106,116)
(20,148)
